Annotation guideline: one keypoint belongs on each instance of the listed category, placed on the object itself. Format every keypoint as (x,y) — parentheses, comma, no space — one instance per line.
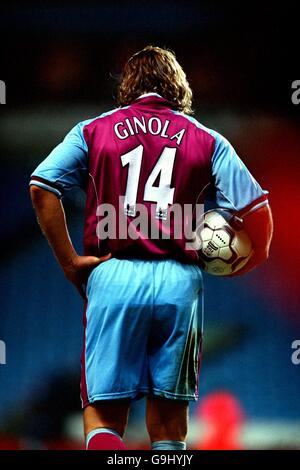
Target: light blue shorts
(143,331)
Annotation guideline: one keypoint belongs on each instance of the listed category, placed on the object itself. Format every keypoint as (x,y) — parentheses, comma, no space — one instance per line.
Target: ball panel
(218,267)
(214,220)
(206,234)
(242,244)
(240,262)
(226,253)
(221,238)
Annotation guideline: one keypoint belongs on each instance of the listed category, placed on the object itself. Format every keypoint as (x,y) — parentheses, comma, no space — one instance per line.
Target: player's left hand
(79,268)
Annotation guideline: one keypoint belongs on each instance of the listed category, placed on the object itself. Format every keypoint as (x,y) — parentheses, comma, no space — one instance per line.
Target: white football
(225,246)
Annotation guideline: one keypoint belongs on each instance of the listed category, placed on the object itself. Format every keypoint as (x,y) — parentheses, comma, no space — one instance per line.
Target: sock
(104,439)
(168,445)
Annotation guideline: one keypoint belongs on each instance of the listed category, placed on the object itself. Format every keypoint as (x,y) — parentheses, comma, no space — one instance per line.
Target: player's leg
(167,423)
(105,423)
(114,360)
(174,352)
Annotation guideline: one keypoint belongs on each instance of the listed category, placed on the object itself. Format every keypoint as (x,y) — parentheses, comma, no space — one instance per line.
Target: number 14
(163,194)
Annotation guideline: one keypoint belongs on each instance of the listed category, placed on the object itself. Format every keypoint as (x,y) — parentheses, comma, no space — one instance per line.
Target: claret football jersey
(145,168)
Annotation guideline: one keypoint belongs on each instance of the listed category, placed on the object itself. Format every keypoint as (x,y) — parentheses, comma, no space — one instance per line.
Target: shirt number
(162,194)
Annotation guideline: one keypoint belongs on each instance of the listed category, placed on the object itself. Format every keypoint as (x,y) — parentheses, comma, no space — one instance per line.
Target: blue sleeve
(66,166)
(234,187)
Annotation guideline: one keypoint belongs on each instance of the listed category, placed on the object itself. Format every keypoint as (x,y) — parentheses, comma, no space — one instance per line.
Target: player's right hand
(79,268)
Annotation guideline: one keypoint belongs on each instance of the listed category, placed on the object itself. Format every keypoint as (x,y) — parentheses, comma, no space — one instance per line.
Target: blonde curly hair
(154,69)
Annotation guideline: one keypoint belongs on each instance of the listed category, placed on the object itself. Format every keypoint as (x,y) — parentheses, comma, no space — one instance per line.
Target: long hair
(154,69)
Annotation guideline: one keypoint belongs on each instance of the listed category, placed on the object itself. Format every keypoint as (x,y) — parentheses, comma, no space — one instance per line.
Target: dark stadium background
(60,62)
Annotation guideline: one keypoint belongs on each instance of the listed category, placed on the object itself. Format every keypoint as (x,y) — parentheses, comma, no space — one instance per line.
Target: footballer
(143,294)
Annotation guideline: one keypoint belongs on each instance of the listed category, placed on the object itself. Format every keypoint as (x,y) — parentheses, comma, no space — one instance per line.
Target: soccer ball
(224,246)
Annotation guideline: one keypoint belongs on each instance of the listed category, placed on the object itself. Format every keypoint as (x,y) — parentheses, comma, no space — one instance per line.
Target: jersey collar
(153,98)
(145,95)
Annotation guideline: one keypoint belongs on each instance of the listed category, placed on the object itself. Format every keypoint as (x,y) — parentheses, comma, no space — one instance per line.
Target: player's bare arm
(52,220)
(259,226)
